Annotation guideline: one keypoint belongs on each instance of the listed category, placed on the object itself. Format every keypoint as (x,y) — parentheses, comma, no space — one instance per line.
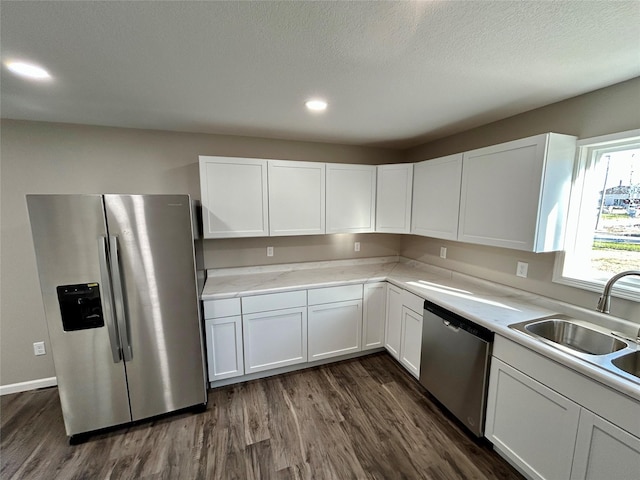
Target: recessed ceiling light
(316,105)
(28,70)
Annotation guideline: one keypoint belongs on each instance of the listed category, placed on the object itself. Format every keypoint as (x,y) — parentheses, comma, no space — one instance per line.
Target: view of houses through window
(616,240)
(604,236)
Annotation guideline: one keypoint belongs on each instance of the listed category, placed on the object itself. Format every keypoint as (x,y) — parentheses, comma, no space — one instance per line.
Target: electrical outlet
(443,252)
(522,269)
(356,247)
(38,348)
(269,251)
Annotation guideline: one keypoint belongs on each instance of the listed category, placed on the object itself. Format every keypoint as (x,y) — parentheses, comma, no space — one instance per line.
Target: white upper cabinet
(351,198)
(436,197)
(393,205)
(234,197)
(516,194)
(296,198)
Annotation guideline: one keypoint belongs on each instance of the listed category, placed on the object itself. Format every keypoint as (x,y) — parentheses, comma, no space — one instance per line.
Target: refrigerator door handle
(119,298)
(108,308)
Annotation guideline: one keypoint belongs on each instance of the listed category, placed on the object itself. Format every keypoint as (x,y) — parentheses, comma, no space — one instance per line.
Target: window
(603,234)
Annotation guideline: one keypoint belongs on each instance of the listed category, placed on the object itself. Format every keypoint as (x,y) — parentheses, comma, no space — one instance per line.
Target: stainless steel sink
(575,336)
(615,352)
(629,363)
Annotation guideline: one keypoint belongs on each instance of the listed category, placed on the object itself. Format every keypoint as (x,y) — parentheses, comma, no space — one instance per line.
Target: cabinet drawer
(227,307)
(274,301)
(335,294)
(413,302)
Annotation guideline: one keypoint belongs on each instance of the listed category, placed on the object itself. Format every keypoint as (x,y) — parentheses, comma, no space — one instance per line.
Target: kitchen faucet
(605,299)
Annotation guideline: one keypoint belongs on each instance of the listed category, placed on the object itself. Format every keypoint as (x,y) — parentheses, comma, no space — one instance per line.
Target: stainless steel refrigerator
(118,281)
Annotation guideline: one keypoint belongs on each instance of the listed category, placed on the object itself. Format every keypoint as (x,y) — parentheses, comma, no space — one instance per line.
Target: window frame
(627,287)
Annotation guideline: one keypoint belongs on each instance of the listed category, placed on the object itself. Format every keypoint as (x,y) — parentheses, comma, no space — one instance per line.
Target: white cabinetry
(393,328)
(374,315)
(223,332)
(275,330)
(296,198)
(531,424)
(403,333)
(604,451)
(351,198)
(411,340)
(335,321)
(393,204)
(552,422)
(516,194)
(234,197)
(436,197)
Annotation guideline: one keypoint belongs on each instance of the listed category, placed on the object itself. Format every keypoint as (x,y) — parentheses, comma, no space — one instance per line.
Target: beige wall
(610,110)
(62,158)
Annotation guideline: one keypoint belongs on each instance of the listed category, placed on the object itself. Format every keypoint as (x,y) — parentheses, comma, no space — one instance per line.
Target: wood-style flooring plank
(362,419)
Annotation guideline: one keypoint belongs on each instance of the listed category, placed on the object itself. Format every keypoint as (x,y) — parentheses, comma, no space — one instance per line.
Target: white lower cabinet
(531,424)
(374,315)
(224,347)
(604,451)
(411,341)
(393,328)
(335,329)
(553,423)
(274,339)
(403,332)
(223,334)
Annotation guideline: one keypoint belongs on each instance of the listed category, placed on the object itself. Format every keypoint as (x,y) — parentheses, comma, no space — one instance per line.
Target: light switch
(443,252)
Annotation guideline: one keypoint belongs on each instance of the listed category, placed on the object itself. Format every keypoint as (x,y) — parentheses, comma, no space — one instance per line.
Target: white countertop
(491,305)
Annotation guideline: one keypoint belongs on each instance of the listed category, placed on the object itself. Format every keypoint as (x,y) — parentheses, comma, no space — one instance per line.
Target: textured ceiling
(395,73)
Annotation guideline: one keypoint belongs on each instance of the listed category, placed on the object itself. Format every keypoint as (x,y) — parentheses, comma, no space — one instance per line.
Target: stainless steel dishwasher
(454,365)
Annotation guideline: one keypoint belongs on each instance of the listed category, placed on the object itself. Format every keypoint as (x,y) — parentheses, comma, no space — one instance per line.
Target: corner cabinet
(516,194)
(351,198)
(393,204)
(403,333)
(296,198)
(234,197)
(436,197)
(374,315)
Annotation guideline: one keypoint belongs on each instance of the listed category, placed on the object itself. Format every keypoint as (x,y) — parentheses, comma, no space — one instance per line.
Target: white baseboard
(30,385)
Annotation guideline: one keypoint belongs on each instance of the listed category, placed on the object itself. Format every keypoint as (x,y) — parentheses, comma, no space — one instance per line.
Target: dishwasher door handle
(447,324)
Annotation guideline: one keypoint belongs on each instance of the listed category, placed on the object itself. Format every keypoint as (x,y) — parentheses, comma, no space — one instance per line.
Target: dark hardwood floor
(363,418)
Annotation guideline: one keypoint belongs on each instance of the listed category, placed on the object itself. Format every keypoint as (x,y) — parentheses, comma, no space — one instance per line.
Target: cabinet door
(224,347)
(374,315)
(604,451)
(530,424)
(393,328)
(515,195)
(234,197)
(436,197)
(393,204)
(351,198)
(296,198)
(411,341)
(335,329)
(274,339)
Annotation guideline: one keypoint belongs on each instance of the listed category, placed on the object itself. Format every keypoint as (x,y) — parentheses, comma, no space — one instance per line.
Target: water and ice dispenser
(80,306)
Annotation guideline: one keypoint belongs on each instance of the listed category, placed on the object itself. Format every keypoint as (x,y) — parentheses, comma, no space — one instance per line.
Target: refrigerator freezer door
(68,231)
(163,339)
